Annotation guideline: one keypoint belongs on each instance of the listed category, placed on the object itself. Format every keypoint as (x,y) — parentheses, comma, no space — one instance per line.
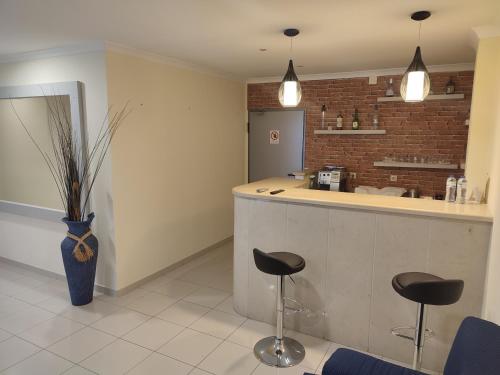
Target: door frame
(303,110)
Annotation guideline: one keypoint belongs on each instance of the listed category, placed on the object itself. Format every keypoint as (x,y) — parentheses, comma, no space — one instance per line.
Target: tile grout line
(210,309)
(171,339)
(39,351)
(220,344)
(116,338)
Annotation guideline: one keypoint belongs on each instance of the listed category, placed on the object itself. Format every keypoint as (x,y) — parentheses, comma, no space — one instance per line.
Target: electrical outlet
(352,175)
(393,178)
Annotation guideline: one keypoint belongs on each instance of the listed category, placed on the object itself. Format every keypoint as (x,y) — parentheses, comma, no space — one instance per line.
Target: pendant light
(290,91)
(416,84)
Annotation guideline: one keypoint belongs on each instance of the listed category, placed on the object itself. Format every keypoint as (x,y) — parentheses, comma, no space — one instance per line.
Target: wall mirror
(26,185)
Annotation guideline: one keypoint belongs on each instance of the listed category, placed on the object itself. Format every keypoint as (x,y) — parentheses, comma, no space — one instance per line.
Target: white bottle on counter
(461,190)
(451,189)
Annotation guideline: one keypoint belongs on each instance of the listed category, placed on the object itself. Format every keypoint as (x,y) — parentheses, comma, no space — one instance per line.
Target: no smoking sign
(274,137)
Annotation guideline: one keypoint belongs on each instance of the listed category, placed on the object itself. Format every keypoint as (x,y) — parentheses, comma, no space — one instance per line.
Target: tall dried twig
(73,170)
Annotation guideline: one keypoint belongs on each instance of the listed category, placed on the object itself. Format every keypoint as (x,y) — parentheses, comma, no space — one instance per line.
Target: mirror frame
(73,89)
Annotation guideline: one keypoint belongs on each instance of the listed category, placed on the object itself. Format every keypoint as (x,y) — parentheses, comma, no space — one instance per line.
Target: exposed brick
(432,129)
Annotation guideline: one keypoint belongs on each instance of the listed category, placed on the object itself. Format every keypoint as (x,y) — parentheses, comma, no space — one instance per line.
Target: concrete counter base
(351,257)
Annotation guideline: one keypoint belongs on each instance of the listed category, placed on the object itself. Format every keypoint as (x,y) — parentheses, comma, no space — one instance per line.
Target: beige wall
(484,156)
(480,146)
(174,162)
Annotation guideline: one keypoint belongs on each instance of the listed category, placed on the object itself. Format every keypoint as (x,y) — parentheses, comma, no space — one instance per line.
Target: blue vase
(80,274)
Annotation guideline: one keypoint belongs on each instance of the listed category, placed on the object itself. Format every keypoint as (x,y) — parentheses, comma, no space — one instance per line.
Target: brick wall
(433,129)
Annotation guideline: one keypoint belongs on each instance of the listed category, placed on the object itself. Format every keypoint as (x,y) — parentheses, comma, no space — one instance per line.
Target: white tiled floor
(180,323)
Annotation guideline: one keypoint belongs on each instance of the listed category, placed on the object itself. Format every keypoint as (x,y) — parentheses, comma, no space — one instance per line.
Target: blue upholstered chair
(475,351)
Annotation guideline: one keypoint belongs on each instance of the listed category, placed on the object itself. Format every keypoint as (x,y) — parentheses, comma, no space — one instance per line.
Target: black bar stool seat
(428,289)
(425,289)
(279,350)
(278,263)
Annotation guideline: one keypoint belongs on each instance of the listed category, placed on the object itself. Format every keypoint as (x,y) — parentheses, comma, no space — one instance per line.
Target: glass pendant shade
(290,91)
(416,84)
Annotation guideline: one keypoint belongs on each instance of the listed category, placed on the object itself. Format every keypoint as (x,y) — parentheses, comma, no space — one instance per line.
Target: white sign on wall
(274,137)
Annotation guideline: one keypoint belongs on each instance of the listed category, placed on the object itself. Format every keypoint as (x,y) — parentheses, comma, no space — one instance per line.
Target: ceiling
(226,35)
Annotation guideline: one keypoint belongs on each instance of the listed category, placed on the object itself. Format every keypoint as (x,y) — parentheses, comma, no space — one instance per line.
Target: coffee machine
(333,178)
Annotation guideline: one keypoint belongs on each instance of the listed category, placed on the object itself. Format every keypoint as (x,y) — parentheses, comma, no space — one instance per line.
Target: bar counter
(354,244)
(295,192)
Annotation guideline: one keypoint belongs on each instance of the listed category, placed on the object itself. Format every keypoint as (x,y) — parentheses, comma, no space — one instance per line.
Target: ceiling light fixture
(290,91)
(416,84)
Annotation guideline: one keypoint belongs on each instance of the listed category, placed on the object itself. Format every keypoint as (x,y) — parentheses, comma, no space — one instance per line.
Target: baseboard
(128,288)
(47,273)
(31,268)
(170,268)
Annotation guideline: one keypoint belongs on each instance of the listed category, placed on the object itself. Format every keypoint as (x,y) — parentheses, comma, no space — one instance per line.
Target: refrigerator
(275,143)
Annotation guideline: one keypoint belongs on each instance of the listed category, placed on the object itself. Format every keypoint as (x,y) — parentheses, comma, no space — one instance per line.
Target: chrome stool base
(417,334)
(278,350)
(286,352)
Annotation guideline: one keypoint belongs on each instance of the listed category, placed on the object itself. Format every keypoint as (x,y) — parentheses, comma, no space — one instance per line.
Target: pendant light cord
(291,48)
(419,31)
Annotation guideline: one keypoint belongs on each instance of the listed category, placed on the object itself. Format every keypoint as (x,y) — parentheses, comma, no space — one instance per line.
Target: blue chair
(475,351)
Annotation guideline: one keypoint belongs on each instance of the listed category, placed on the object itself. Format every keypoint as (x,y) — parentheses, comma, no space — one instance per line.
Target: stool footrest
(406,332)
(294,307)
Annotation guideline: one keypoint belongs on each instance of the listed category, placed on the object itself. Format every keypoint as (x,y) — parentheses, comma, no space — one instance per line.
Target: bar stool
(425,289)
(279,351)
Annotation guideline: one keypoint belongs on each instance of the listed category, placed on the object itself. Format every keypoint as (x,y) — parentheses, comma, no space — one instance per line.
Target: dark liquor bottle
(355,120)
(450,87)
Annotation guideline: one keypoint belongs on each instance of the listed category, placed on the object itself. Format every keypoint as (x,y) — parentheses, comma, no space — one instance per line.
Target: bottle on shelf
(450,87)
(355,120)
(375,118)
(340,119)
(390,89)
(323,111)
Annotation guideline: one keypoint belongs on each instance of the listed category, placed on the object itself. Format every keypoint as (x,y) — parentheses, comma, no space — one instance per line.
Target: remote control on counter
(274,192)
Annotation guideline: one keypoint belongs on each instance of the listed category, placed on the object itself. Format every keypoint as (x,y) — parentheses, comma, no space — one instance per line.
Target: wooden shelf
(402,164)
(429,97)
(350,132)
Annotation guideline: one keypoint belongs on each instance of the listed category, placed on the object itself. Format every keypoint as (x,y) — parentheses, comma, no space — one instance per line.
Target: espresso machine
(333,178)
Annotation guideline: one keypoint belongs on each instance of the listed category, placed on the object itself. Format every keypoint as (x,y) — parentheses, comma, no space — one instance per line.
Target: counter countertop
(295,192)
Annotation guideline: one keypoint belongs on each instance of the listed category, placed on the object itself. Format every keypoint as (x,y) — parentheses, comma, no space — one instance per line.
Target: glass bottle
(375,118)
(390,89)
(355,120)
(323,111)
(339,121)
(450,87)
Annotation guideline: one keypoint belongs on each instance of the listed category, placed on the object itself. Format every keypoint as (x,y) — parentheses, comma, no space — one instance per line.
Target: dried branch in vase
(73,170)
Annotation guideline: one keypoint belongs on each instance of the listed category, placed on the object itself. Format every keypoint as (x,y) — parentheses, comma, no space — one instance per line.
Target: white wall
(175,161)
(36,242)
